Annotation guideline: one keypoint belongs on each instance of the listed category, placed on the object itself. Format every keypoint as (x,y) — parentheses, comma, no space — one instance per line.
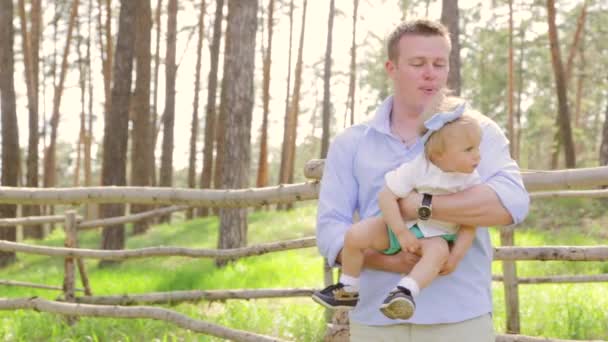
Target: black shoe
(399,304)
(336,297)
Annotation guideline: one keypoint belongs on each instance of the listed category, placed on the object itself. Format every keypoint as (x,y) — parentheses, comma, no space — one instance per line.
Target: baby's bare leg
(368,233)
(400,302)
(435,252)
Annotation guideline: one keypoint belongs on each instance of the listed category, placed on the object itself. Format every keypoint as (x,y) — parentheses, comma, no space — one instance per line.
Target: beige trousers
(478,329)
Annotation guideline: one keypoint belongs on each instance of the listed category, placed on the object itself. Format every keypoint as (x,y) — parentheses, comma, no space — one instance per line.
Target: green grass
(569,311)
(576,311)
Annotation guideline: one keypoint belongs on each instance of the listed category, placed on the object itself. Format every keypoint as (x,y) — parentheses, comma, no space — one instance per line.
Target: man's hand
(450,264)
(409,242)
(409,205)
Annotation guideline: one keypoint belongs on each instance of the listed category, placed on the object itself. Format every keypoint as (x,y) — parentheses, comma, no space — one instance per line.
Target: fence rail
(92,224)
(534,180)
(229,198)
(32,285)
(580,278)
(162,314)
(579,253)
(543,182)
(7,246)
(175,297)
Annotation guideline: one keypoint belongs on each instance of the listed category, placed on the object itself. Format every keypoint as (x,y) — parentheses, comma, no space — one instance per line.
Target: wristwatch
(425,209)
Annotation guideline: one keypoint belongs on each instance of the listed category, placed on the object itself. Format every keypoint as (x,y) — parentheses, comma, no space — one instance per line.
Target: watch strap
(426,200)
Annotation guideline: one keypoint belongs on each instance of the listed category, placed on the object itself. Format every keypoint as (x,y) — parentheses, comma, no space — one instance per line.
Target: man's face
(421,69)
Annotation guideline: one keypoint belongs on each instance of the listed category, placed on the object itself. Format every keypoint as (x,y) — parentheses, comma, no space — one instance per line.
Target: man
(456,307)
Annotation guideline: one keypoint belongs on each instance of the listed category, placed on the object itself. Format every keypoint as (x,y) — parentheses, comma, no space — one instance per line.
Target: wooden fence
(130,305)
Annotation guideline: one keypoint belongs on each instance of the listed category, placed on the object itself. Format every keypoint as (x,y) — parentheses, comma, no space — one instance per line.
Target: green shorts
(395,247)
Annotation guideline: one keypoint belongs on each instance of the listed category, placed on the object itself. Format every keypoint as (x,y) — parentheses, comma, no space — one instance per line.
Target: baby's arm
(464,240)
(387,201)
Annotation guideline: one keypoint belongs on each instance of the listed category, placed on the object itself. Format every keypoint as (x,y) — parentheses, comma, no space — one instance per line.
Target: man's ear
(390,68)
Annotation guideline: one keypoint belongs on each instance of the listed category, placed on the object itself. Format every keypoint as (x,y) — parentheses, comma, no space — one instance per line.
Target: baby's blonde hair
(465,127)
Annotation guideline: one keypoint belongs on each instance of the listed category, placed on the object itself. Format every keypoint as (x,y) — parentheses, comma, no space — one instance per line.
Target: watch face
(424,213)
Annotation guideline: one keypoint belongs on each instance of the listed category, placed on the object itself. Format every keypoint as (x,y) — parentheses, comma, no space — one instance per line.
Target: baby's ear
(435,155)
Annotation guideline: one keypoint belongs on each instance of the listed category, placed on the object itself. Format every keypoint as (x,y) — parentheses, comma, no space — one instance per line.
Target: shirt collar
(381,121)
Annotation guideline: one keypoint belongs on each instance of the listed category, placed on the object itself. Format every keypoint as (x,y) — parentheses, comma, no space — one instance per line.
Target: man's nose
(429,72)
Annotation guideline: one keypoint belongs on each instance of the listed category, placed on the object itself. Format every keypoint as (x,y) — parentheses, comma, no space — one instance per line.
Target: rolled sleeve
(513,197)
(337,197)
(501,173)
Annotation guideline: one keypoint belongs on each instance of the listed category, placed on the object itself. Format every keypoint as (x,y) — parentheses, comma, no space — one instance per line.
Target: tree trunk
(520,90)
(580,23)
(579,86)
(166,167)
(576,41)
(560,85)
(154,129)
(110,54)
(262,179)
(238,76)
(291,119)
(604,146)
(289,58)
(105,33)
(82,86)
(220,129)
(350,98)
(10,137)
(31,57)
(195,124)
(510,75)
(140,170)
(210,112)
(90,209)
(116,125)
(50,157)
(450,17)
(327,107)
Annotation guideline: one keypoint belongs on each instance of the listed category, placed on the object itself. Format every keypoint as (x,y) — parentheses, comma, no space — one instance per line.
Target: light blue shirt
(356,163)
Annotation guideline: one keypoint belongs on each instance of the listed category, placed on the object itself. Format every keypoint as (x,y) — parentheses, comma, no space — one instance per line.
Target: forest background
(241,93)
(159,90)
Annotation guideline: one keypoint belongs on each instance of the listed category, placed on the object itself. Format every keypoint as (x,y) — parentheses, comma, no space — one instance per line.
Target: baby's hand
(450,265)
(409,242)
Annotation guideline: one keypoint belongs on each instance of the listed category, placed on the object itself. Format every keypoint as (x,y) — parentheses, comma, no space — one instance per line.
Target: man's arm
(475,206)
(337,203)
(337,196)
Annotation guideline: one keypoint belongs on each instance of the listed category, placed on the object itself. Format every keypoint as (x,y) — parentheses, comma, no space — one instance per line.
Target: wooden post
(70,241)
(19,228)
(80,263)
(510,284)
(84,278)
(328,279)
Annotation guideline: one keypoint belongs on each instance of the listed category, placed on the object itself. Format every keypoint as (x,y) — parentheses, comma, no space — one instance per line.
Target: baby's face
(460,155)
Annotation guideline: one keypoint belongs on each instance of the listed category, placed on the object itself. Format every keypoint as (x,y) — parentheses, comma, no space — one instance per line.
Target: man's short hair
(418,27)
